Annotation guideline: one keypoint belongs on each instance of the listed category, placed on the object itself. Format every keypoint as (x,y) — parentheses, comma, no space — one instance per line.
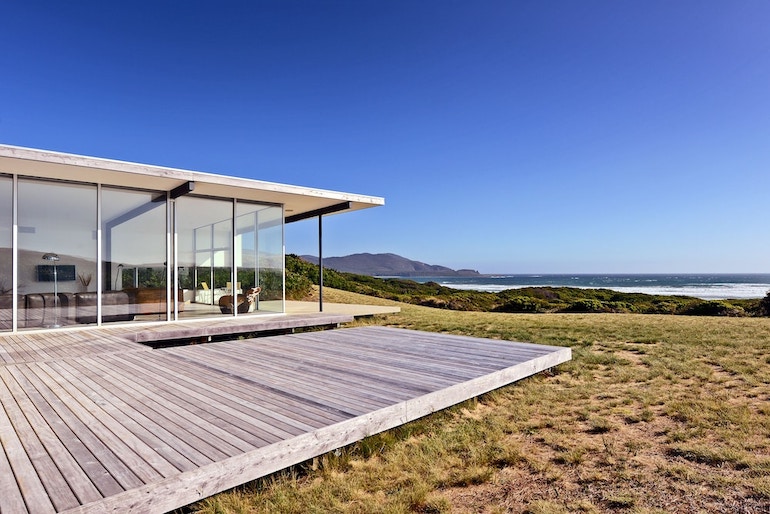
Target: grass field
(655,413)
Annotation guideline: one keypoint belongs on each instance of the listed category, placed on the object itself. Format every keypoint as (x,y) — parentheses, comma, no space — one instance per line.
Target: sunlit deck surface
(93,421)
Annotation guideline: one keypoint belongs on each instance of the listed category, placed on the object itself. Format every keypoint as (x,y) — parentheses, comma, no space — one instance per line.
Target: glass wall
(134,254)
(57,254)
(6,253)
(271,259)
(228,255)
(247,246)
(204,229)
(259,255)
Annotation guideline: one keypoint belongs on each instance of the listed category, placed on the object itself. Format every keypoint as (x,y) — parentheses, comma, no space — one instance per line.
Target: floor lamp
(118,276)
(52,257)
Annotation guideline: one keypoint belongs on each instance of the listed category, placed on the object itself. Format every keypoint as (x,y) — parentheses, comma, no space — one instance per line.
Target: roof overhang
(298,201)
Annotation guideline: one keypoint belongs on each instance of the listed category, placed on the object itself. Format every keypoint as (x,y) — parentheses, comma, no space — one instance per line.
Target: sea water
(705,286)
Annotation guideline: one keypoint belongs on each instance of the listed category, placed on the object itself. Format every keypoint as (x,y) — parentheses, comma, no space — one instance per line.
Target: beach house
(91,241)
(127,415)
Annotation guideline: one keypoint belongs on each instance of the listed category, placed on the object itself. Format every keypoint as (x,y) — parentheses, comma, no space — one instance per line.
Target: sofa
(6,310)
(151,300)
(38,310)
(116,306)
(45,309)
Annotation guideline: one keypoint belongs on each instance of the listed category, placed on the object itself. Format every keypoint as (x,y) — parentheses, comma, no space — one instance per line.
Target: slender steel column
(320,263)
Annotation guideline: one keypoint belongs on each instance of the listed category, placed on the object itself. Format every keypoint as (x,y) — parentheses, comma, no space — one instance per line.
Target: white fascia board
(64,166)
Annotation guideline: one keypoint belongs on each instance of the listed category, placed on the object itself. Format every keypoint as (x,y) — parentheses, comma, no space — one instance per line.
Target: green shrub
(297,286)
(665,306)
(271,282)
(523,304)
(714,308)
(764,306)
(587,305)
(620,307)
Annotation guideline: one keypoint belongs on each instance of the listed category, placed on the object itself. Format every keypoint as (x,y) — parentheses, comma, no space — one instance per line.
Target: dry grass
(654,414)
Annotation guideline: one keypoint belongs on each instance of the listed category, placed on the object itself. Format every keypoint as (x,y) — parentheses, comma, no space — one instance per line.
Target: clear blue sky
(506,136)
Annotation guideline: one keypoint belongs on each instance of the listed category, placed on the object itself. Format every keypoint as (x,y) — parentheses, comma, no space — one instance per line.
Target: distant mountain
(387,264)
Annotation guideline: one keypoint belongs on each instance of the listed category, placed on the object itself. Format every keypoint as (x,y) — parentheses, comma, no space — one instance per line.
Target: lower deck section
(145,430)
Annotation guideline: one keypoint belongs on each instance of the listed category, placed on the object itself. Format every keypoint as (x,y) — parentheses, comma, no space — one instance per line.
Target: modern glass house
(90,241)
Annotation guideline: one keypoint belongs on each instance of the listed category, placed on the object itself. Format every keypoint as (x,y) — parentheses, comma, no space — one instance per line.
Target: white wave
(704,292)
(488,288)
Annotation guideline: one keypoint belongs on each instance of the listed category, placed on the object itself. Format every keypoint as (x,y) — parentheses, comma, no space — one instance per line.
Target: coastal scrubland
(655,413)
(302,275)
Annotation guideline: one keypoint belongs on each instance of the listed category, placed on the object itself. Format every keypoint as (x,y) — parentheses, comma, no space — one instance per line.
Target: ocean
(705,286)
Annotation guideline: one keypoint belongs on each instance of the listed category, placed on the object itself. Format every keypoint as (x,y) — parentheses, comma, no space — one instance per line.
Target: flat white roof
(62,166)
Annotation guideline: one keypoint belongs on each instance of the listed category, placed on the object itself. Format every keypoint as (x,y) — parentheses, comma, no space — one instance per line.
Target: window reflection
(259,254)
(229,256)
(134,254)
(204,252)
(57,253)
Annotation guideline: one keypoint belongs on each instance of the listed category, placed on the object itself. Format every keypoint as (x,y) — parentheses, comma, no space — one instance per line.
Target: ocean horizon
(706,286)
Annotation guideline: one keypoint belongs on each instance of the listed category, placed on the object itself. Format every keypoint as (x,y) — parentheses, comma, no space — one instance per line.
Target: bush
(764,305)
(672,306)
(714,308)
(588,305)
(523,304)
(297,286)
(621,307)
(271,282)
(453,303)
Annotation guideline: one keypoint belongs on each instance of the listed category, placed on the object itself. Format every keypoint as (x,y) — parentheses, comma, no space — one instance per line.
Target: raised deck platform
(120,427)
(43,345)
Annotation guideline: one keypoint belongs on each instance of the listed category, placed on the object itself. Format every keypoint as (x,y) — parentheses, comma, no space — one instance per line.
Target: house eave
(296,200)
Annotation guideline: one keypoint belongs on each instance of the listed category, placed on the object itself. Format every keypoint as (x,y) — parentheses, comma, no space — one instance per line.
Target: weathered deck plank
(38,412)
(187,416)
(95,472)
(295,375)
(10,491)
(109,426)
(249,430)
(90,433)
(272,417)
(145,461)
(136,416)
(347,362)
(262,397)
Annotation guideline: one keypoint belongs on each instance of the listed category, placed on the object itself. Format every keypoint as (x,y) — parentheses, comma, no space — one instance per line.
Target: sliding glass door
(259,254)
(230,255)
(134,255)
(204,229)
(57,253)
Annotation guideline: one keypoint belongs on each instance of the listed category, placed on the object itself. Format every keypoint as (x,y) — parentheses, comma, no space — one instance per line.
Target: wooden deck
(116,426)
